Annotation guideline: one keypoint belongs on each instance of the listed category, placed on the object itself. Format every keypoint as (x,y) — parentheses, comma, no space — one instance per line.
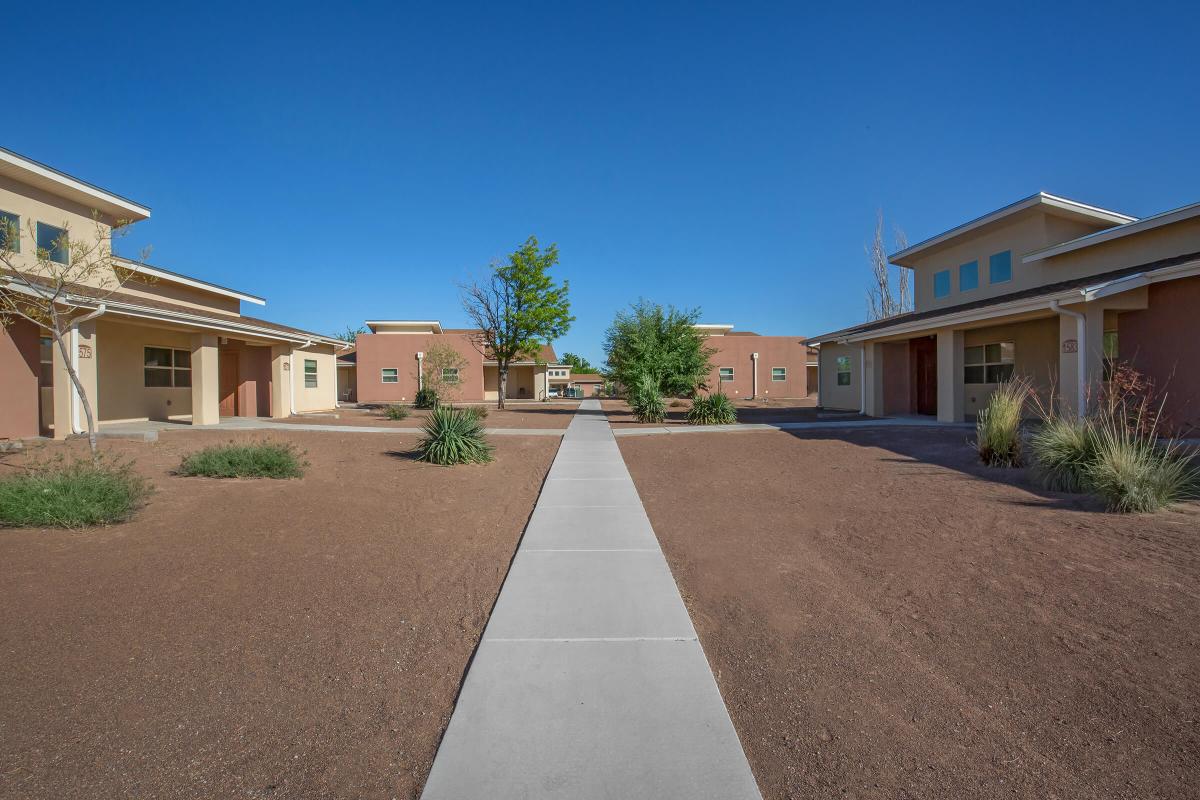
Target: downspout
(862,379)
(1081,355)
(754,377)
(76,426)
(420,371)
(292,369)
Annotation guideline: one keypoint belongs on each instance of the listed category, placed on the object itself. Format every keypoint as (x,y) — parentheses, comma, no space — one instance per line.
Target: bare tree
(54,285)
(443,369)
(886,296)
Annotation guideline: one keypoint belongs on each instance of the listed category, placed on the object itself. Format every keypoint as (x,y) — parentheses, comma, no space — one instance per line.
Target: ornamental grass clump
(1132,471)
(395,411)
(647,401)
(998,427)
(71,494)
(453,436)
(713,409)
(480,412)
(253,460)
(1062,450)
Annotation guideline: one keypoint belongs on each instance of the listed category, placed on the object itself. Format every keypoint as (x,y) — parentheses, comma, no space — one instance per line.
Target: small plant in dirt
(453,436)
(713,409)
(395,411)
(1133,472)
(252,460)
(427,397)
(72,494)
(1062,450)
(480,412)
(647,401)
(998,427)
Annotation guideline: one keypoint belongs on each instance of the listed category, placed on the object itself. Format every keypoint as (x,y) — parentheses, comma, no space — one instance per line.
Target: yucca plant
(1133,472)
(1062,449)
(395,411)
(713,409)
(427,397)
(998,426)
(453,436)
(647,401)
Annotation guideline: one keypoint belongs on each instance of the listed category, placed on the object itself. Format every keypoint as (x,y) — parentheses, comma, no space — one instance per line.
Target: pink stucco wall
(379,351)
(1163,343)
(19,365)
(773,351)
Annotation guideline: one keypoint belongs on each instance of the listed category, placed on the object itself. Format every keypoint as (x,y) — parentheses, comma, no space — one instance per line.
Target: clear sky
(352,162)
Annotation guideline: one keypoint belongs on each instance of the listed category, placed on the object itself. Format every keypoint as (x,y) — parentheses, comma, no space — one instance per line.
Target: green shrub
(715,409)
(395,411)
(426,398)
(647,401)
(71,495)
(480,412)
(998,426)
(453,436)
(1062,450)
(254,460)
(1133,472)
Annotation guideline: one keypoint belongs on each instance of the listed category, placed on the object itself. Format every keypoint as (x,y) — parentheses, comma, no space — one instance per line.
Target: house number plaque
(85,351)
(1070,346)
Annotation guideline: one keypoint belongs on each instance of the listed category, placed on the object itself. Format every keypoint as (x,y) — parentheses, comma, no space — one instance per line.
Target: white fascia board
(74,184)
(184,280)
(433,323)
(1128,229)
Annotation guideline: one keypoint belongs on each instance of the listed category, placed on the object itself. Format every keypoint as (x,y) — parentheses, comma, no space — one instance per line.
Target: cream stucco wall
(832,395)
(324,396)
(121,365)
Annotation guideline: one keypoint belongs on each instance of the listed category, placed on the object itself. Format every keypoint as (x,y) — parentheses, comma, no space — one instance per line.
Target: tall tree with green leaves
(661,343)
(579,364)
(518,308)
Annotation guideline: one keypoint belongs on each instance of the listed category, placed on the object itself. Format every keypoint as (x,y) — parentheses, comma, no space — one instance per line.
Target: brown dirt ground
(556,415)
(887,618)
(261,638)
(781,410)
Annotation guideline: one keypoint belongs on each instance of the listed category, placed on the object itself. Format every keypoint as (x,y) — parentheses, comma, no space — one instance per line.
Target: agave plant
(427,397)
(714,409)
(647,401)
(453,436)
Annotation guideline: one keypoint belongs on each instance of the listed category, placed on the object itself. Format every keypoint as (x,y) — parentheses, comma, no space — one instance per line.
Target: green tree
(444,371)
(579,364)
(662,343)
(518,308)
(350,334)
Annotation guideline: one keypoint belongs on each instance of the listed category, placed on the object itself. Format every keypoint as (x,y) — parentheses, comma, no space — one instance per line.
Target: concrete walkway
(589,681)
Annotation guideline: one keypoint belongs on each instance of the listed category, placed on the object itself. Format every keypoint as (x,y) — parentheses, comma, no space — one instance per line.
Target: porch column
(949,375)
(872,379)
(281,381)
(541,383)
(68,410)
(205,399)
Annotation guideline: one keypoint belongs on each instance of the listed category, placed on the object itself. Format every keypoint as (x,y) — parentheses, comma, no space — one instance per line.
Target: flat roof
(1039,199)
(43,176)
(405,323)
(187,280)
(1128,229)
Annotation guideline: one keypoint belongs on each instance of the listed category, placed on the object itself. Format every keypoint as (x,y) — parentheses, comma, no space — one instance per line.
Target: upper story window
(310,373)
(843,371)
(450,374)
(10,231)
(726,374)
(778,374)
(968,276)
(989,363)
(54,242)
(941,284)
(1000,267)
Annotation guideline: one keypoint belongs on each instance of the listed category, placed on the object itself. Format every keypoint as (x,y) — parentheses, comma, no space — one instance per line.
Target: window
(46,357)
(843,369)
(1111,350)
(1000,267)
(726,374)
(778,374)
(164,367)
(54,241)
(10,225)
(968,276)
(450,374)
(310,373)
(941,283)
(389,375)
(989,363)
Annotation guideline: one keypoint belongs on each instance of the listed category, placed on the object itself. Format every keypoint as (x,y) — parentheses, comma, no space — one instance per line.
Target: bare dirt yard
(540,415)
(797,410)
(256,638)
(888,619)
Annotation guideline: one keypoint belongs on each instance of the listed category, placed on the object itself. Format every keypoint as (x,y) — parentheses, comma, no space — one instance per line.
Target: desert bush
(647,401)
(998,426)
(714,409)
(480,412)
(1062,450)
(253,460)
(395,411)
(1131,471)
(427,397)
(453,436)
(71,494)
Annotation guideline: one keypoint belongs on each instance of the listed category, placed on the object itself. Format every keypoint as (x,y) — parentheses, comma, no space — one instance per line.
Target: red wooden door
(925,379)
(228,369)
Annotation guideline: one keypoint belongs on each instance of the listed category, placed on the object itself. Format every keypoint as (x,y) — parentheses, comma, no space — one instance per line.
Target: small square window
(968,276)
(726,374)
(778,374)
(1000,267)
(450,374)
(10,231)
(389,375)
(54,242)
(989,363)
(310,373)
(941,283)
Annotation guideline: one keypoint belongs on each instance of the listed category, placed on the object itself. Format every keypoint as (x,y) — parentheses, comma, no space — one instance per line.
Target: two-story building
(146,342)
(747,365)
(1048,288)
(390,365)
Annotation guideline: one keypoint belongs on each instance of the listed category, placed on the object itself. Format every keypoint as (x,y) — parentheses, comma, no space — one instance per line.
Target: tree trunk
(83,398)
(503,368)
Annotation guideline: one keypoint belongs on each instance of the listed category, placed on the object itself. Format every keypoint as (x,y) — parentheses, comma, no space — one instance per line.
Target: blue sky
(357,162)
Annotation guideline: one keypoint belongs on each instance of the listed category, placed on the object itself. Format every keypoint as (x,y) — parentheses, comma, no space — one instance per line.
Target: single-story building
(391,365)
(147,343)
(584,384)
(747,365)
(1049,288)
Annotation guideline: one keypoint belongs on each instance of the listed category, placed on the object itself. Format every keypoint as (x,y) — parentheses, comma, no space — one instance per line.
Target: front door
(228,369)
(925,374)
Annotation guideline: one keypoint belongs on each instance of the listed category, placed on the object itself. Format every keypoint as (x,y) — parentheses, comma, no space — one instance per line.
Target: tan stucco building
(162,346)
(1047,287)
